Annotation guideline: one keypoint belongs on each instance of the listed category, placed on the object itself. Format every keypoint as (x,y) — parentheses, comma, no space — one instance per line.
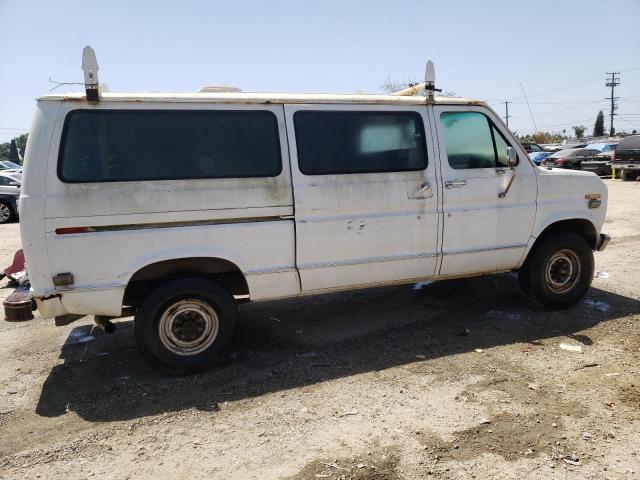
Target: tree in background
(21,143)
(579,131)
(13,151)
(542,137)
(598,128)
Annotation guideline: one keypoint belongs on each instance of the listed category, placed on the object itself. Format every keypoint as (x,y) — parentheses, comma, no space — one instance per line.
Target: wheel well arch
(146,279)
(580,226)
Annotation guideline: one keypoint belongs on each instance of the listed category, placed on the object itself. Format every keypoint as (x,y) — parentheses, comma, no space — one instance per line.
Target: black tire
(559,271)
(162,309)
(4,208)
(623,176)
(524,278)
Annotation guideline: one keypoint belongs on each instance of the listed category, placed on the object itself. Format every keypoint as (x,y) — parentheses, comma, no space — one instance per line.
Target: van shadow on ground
(292,343)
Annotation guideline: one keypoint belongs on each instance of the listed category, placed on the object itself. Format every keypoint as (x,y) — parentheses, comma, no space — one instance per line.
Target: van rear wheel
(185,325)
(559,271)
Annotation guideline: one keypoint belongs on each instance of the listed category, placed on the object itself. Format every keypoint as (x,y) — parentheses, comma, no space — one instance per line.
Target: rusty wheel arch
(149,277)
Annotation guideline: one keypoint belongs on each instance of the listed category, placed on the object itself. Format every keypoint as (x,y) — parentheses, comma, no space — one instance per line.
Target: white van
(174,207)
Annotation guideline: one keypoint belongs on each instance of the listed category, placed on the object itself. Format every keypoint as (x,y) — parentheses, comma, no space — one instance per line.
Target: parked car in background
(538,157)
(531,147)
(603,146)
(626,157)
(7,165)
(570,158)
(10,184)
(601,164)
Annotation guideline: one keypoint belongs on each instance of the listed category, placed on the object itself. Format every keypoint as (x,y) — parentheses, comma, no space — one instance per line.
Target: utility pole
(612,82)
(506,116)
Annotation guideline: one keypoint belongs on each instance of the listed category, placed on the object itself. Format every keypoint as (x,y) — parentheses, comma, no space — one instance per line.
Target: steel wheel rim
(188,327)
(5,213)
(562,271)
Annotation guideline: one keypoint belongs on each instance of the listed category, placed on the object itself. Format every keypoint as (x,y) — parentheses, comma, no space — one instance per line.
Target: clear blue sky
(482,49)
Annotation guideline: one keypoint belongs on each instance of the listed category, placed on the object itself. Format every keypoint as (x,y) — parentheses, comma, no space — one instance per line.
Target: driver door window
(472,141)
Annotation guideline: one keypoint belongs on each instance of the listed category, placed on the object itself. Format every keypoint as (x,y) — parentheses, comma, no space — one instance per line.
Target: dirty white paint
(325,232)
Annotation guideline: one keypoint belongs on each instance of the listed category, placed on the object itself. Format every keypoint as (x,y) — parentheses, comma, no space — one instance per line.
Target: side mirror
(512,157)
(14,184)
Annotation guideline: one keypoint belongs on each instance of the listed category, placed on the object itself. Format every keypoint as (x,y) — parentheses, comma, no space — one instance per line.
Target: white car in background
(7,166)
(10,183)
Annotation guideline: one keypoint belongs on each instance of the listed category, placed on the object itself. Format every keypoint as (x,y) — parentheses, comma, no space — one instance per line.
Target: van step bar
(18,306)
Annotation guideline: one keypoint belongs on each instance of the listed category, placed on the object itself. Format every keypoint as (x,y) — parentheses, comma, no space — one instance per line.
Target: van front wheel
(559,272)
(185,325)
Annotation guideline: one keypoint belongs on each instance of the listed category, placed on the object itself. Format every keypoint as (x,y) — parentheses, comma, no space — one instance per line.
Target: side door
(366,194)
(483,230)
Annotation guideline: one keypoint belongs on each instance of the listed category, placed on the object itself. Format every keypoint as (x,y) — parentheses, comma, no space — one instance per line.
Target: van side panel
(32,195)
(246,221)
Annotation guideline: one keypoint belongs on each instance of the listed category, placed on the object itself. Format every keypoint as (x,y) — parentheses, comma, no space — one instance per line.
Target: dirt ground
(457,379)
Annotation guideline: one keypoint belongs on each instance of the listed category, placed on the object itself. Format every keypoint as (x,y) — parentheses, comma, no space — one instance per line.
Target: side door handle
(454,183)
(424,191)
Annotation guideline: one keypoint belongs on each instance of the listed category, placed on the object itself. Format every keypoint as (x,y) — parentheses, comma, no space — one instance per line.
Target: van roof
(261,98)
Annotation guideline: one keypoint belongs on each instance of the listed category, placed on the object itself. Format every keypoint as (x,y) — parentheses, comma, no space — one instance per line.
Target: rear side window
(359,142)
(127,145)
(472,141)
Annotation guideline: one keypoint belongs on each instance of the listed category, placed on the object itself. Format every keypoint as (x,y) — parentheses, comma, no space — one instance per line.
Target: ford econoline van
(175,207)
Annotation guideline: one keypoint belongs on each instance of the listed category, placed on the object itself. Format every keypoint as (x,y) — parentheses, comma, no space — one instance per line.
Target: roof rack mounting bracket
(90,69)
(429,84)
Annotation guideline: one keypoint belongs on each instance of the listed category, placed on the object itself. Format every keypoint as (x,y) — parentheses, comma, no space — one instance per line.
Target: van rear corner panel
(128,187)
(42,135)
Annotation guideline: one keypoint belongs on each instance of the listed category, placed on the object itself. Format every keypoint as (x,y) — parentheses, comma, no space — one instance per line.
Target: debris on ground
(421,285)
(601,275)
(347,413)
(571,459)
(499,314)
(571,348)
(587,365)
(603,307)
(307,354)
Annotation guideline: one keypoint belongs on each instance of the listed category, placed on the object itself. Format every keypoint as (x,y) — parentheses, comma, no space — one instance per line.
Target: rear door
(483,231)
(366,196)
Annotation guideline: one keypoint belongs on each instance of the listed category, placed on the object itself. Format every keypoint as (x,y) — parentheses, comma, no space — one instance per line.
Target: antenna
(90,68)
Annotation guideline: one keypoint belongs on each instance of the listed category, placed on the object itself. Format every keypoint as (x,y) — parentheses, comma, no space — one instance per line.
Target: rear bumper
(19,306)
(603,241)
(597,167)
(626,166)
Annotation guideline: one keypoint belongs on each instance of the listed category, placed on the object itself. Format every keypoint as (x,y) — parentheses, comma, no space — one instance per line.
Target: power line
(613,82)
(529,106)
